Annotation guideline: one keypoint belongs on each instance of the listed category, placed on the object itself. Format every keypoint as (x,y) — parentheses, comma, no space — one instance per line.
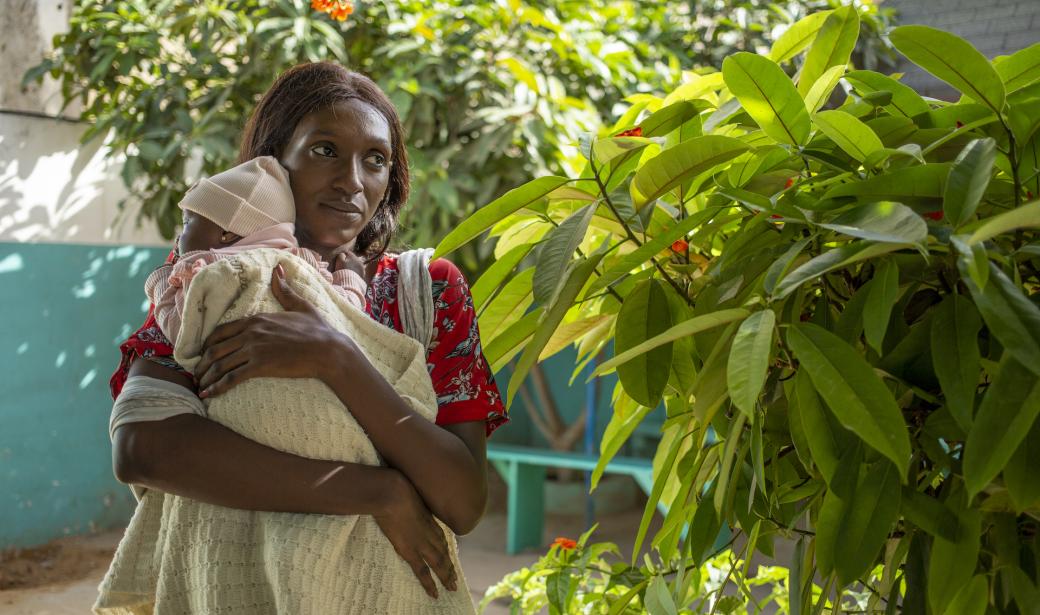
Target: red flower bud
(775,216)
(934,215)
(679,246)
(788,183)
(960,124)
(633,132)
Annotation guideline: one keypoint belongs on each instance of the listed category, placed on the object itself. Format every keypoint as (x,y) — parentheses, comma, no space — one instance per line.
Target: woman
(340,139)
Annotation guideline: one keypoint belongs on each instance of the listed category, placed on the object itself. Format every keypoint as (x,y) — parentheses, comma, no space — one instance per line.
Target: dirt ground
(61,578)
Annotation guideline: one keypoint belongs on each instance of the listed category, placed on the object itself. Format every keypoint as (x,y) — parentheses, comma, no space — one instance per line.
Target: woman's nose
(348,177)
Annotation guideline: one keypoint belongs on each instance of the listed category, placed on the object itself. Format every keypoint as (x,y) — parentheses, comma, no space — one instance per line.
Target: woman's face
(339,167)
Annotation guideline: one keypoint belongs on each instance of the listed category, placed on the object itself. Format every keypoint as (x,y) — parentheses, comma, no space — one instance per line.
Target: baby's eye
(324,150)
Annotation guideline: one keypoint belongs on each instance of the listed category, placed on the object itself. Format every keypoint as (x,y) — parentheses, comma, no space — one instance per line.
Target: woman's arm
(191,456)
(447,465)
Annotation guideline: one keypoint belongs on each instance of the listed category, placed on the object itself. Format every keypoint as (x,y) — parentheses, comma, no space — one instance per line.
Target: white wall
(52,188)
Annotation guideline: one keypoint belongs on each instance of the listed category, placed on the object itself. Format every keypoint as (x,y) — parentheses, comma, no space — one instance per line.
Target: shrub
(837,308)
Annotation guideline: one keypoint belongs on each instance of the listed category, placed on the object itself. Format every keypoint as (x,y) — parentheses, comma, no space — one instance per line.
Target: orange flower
(565,543)
(337,9)
(634,132)
(679,246)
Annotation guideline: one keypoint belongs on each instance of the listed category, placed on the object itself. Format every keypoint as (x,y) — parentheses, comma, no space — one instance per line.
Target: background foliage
(490,92)
(839,310)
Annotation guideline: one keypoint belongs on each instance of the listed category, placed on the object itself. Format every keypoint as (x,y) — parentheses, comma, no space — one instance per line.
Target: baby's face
(201,233)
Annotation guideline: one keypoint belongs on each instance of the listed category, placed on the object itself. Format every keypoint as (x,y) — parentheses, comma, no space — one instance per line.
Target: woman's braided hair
(311,87)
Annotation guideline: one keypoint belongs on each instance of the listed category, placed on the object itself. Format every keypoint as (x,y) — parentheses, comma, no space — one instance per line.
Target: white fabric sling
(183,556)
(415,294)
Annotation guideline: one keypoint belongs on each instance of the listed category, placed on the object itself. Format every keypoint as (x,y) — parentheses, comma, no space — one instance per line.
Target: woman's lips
(342,208)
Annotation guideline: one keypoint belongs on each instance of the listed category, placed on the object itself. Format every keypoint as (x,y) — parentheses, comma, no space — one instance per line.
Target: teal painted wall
(65,308)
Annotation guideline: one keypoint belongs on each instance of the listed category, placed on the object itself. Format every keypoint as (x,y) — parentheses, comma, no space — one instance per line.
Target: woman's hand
(416,536)
(296,343)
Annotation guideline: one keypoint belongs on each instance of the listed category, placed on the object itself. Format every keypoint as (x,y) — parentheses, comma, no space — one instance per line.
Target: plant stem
(633,238)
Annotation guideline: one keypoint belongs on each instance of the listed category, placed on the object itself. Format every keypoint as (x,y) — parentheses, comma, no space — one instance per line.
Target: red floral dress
(462,379)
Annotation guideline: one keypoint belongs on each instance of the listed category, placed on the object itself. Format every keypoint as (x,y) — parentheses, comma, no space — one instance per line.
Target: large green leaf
(576,280)
(851,530)
(881,221)
(797,37)
(669,117)
(833,46)
(554,255)
(769,97)
(1020,473)
(853,392)
(882,294)
(952,59)
(1024,216)
(930,515)
(510,341)
(683,329)
(508,305)
(952,563)
(905,101)
(968,180)
(1011,317)
(829,261)
(1006,414)
(955,355)
(617,432)
(826,440)
(645,314)
(749,360)
(485,217)
(918,183)
(493,277)
(972,598)
(820,91)
(853,136)
(680,163)
(1019,69)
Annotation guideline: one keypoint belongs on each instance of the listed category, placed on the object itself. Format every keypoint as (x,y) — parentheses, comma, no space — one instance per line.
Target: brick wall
(995,27)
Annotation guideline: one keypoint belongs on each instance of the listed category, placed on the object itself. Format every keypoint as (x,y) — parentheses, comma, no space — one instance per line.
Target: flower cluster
(337,9)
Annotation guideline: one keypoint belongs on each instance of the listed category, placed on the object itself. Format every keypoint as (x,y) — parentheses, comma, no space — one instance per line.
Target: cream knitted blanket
(183,556)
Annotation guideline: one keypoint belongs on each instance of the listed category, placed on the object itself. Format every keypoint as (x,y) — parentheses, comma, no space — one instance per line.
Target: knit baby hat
(244,199)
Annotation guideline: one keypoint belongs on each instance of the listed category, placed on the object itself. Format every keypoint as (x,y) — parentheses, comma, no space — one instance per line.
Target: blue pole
(591,390)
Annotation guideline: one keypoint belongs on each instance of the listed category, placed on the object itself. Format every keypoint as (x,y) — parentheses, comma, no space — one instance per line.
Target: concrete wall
(72,270)
(995,27)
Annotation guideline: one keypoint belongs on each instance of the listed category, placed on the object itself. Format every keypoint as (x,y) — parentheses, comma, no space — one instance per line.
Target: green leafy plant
(839,308)
(490,93)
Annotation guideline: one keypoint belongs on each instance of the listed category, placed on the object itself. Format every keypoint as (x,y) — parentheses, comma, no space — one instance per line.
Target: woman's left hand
(296,343)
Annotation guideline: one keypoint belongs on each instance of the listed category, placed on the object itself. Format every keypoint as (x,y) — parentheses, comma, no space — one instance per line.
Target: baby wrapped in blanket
(183,556)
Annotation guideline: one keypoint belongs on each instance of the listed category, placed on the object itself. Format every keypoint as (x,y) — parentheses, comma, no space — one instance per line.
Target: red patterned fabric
(462,379)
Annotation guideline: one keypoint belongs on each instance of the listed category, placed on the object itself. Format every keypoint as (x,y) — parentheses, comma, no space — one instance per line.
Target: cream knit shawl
(183,556)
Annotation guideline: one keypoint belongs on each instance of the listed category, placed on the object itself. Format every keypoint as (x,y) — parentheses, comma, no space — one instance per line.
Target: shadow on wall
(66,308)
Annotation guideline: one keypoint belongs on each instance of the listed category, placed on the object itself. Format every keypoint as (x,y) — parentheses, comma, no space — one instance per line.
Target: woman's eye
(323,150)
(378,160)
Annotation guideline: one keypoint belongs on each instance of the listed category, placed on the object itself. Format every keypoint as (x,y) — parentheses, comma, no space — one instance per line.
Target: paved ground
(484,561)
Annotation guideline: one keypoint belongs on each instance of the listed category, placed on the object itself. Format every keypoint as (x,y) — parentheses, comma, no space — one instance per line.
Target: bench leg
(526,507)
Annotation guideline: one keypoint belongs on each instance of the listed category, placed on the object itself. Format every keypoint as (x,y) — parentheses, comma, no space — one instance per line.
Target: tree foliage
(839,309)
(490,92)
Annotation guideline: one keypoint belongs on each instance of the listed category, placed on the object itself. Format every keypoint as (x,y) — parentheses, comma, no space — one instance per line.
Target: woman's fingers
(436,557)
(226,331)
(215,383)
(217,352)
(422,572)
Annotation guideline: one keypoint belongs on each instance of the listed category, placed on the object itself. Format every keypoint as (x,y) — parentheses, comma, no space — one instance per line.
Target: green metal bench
(523,469)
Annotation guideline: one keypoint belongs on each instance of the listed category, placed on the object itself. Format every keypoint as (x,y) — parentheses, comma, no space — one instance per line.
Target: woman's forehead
(347,119)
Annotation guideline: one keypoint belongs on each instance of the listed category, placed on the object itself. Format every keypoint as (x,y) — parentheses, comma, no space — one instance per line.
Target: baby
(249,206)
